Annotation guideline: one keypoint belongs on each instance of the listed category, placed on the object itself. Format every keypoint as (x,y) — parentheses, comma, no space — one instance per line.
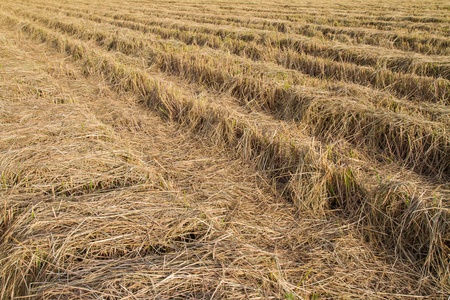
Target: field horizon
(224,149)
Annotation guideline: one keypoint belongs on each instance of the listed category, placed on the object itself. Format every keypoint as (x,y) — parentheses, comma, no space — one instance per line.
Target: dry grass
(206,174)
(251,42)
(427,152)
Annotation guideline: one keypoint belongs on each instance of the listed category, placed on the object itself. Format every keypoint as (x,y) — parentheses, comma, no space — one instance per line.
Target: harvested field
(224,150)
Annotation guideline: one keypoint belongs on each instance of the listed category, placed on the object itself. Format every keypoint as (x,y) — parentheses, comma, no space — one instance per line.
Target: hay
(183,181)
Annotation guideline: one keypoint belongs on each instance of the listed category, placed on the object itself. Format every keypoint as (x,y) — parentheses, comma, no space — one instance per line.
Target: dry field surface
(224,149)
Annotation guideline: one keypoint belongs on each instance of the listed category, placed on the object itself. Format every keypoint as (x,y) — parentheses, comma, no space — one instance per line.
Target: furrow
(399,62)
(387,203)
(421,144)
(402,85)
